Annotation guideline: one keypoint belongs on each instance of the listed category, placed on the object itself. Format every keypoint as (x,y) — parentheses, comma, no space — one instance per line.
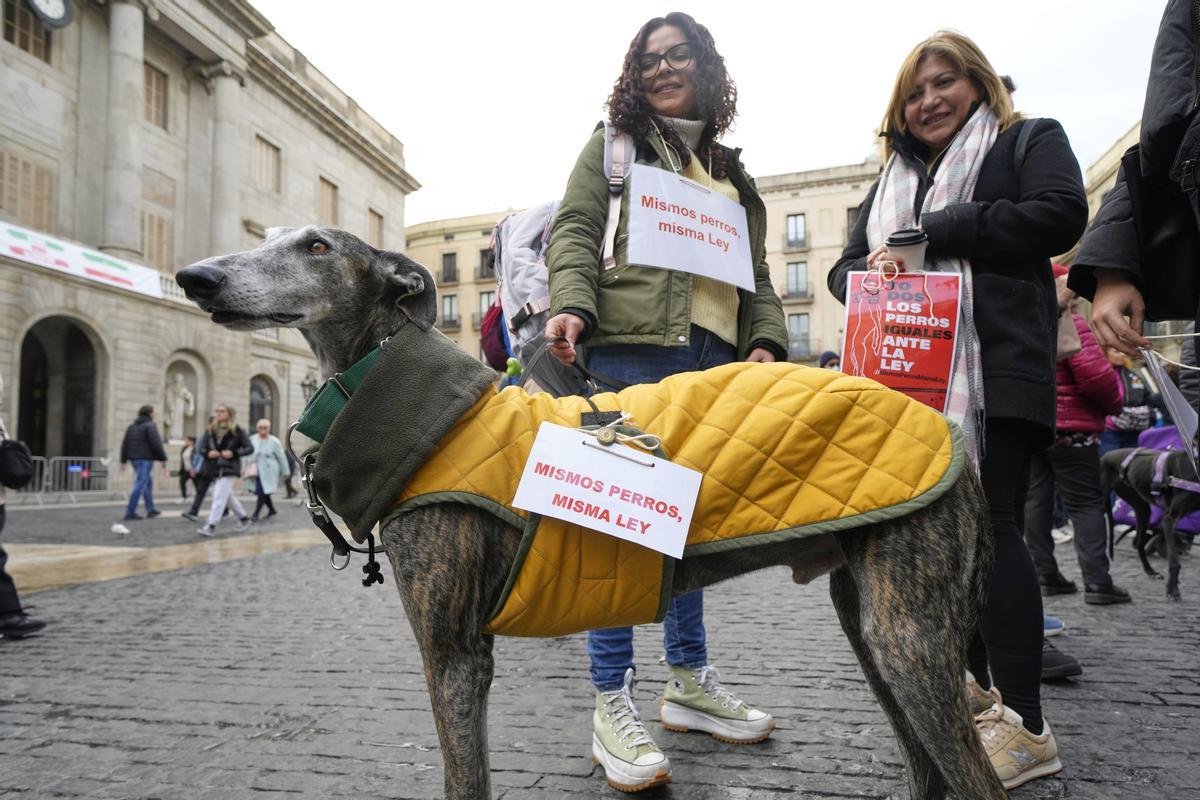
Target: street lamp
(308,386)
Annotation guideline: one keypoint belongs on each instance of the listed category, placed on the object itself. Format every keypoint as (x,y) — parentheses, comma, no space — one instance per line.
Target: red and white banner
(901,332)
(37,248)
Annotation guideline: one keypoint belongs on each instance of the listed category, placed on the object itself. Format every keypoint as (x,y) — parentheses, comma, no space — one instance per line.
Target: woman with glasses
(225,444)
(996,215)
(641,324)
(270,463)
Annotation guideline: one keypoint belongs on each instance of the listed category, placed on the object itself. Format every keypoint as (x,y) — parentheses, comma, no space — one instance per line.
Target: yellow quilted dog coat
(786,451)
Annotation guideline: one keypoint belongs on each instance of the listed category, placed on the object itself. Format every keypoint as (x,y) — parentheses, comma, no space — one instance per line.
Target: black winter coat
(1009,231)
(142,442)
(1169,147)
(220,467)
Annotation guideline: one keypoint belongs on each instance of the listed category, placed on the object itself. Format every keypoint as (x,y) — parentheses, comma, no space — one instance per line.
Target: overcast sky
(494,100)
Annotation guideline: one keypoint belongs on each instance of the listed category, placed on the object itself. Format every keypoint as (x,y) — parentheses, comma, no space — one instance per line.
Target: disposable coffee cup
(908,247)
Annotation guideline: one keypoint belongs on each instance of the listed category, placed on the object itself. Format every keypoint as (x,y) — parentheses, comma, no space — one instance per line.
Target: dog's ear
(409,285)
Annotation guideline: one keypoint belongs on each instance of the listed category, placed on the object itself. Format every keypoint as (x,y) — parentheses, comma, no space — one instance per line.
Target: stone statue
(180,405)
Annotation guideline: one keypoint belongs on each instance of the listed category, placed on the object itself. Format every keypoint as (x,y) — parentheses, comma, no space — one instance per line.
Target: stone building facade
(456,252)
(809,217)
(144,136)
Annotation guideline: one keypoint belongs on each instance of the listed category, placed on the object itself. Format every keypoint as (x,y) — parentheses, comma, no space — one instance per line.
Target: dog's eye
(317,247)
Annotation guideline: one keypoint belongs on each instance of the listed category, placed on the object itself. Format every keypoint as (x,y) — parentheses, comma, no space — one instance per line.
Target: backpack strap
(618,158)
(1023,141)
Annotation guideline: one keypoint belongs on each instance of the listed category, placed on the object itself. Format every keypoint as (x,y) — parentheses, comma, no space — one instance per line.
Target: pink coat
(1088,387)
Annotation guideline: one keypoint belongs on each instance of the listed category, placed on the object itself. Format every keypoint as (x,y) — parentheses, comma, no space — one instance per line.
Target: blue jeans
(611,649)
(143,486)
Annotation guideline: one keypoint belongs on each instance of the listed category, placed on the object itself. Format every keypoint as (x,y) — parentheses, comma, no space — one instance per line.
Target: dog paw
(1155,575)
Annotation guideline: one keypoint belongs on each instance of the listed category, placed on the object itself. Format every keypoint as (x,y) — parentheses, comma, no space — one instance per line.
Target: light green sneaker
(696,700)
(631,760)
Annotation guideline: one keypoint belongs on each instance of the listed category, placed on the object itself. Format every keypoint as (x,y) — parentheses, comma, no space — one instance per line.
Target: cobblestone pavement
(275,676)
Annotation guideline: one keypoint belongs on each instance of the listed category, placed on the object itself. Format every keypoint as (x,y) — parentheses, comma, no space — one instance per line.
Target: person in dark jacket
(142,446)
(949,140)
(1108,268)
(1088,391)
(225,444)
(1140,399)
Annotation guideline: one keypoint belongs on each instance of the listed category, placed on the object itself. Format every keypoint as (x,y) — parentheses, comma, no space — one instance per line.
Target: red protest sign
(901,332)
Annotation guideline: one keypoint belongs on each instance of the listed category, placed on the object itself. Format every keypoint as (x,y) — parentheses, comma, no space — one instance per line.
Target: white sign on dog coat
(675,223)
(614,489)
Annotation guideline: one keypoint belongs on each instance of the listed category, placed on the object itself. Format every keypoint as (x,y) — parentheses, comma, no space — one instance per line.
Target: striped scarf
(893,210)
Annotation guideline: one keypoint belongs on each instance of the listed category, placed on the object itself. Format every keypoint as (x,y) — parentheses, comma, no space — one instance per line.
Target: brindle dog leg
(917,586)
(450,566)
(924,779)
(1171,547)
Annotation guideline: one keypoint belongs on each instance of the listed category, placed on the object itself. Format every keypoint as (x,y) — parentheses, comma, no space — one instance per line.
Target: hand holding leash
(566,327)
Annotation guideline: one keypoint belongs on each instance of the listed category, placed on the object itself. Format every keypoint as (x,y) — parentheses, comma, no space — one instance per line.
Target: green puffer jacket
(646,305)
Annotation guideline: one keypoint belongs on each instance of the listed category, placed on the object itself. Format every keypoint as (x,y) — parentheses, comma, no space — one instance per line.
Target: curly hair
(716,96)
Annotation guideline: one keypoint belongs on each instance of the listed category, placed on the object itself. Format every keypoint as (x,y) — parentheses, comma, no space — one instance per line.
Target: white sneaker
(622,746)
(1064,534)
(695,700)
(207,530)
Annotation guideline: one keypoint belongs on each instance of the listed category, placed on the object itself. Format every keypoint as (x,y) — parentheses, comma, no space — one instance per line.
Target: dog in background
(908,591)
(1131,474)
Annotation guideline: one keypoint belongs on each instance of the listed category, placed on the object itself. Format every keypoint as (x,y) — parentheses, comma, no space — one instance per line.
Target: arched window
(262,403)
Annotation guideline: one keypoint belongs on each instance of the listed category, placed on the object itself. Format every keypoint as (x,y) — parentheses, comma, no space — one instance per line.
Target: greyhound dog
(908,592)
(1131,473)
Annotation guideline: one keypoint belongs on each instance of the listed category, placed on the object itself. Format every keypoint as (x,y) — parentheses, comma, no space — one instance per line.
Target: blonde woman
(271,463)
(950,136)
(225,444)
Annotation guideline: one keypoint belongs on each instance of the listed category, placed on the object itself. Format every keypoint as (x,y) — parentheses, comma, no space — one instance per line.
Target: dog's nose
(201,283)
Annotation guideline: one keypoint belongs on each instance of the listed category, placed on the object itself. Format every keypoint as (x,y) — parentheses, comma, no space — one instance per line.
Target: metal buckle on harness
(320,517)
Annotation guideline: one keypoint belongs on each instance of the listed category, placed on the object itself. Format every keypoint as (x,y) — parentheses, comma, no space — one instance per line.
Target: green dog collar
(323,407)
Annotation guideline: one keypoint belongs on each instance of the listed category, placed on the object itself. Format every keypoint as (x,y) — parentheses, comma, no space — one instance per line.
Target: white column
(228,163)
(123,164)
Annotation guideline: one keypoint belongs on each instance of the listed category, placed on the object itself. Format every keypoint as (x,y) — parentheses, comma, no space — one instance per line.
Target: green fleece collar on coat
(419,387)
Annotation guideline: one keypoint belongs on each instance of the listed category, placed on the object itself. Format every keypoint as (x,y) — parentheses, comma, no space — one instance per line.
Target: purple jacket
(1088,387)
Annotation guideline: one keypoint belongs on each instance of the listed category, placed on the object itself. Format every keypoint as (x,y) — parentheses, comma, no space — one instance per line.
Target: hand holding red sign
(901,332)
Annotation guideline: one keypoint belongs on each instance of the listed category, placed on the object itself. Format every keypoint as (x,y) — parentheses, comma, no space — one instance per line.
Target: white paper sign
(675,223)
(568,478)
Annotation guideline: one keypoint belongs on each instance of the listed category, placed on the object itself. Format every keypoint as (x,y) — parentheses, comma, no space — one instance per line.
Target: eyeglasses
(678,57)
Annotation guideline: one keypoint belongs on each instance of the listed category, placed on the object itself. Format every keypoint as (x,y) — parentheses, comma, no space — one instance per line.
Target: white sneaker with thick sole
(622,746)
(695,700)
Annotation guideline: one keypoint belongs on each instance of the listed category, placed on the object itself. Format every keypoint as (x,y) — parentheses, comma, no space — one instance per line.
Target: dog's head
(301,277)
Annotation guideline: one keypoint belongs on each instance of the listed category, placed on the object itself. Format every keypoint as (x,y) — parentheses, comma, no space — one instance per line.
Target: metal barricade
(93,478)
(35,490)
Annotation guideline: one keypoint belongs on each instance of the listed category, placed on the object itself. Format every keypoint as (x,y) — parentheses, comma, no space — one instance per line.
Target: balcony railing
(450,323)
(449,275)
(796,294)
(485,273)
(476,320)
(790,243)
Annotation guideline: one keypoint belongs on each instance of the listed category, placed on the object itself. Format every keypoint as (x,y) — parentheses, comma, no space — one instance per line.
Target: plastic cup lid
(907,238)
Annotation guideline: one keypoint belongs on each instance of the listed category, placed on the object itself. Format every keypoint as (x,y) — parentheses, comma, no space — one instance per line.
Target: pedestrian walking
(1139,256)
(270,464)
(14,622)
(1088,390)
(287,484)
(226,445)
(675,99)
(186,454)
(949,146)
(142,446)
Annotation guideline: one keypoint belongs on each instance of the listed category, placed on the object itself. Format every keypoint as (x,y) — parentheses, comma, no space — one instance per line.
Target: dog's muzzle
(200,283)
